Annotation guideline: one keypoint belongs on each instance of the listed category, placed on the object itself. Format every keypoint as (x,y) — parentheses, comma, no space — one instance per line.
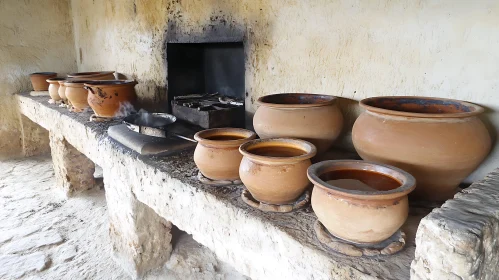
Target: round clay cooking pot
(102,75)
(77,94)
(111,98)
(39,80)
(274,170)
(54,88)
(439,141)
(359,201)
(62,90)
(217,153)
(311,117)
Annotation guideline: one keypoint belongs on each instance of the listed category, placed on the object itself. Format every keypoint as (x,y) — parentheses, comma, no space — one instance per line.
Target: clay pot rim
(325,100)
(43,74)
(201,136)
(474,109)
(408,182)
(76,83)
(309,149)
(55,80)
(94,74)
(110,83)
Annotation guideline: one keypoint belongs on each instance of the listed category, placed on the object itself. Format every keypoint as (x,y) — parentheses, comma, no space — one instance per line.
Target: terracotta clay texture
(217,153)
(54,88)
(111,98)
(62,90)
(274,170)
(311,117)
(103,75)
(439,141)
(356,215)
(39,80)
(77,94)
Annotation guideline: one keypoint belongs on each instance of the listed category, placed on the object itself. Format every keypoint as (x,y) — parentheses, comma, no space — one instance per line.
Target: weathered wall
(352,49)
(34,36)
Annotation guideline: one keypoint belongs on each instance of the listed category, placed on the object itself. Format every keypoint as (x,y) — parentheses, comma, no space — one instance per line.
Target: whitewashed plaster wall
(352,49)
(35,36)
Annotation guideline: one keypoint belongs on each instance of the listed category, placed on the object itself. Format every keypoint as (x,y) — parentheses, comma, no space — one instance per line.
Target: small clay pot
(54,88)
(217,154)
(62,90)
(274,170)
(111,98)
(439,141)
(77,94)
(312,117)
(102,75)
(39,80)
(359,201)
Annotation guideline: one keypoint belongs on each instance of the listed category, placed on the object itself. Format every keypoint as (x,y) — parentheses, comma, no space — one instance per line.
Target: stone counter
(260,245)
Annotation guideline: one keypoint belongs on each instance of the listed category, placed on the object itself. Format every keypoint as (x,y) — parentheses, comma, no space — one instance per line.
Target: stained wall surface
(35,36)
(352,49)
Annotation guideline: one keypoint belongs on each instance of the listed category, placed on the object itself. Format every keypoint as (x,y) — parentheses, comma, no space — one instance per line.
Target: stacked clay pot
(439,141)
(274,170)
(39,80)
(368,213)
(111,98)
(93,76)
(62,90)
(217,153)
(77,94)
(311,117)
(54,88)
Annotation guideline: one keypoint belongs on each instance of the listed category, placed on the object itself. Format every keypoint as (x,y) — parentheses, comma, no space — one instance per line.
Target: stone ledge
(260,245)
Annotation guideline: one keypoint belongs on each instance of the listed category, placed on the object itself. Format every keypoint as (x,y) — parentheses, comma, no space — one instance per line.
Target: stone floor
(45,236)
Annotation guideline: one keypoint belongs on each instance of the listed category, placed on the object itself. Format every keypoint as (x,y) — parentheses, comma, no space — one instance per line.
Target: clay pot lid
(97,73)
(422,107)
(244,135)
(110,83)
(306,147)
(55,80)
(296,100)
(43,74)
(406,180)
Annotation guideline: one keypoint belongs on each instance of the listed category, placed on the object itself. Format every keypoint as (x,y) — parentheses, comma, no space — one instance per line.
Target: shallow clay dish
(217,153)
(439,141)
(54,88)
(39,80)
(102,75)
(77,94)
(111,98)
(360,214)
(312,117)
(274,170)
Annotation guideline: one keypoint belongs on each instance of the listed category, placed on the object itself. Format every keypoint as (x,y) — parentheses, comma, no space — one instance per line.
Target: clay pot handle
(89,88)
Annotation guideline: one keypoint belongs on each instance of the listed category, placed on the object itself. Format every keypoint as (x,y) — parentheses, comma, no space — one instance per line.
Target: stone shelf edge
(260,245)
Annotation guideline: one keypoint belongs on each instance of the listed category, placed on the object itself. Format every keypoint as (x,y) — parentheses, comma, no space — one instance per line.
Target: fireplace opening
(202,74)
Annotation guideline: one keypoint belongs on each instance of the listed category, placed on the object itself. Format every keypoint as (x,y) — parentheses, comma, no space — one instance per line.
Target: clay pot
(217,154)
(54,88)
(77,94)
(439,141)
(274,170)
(311,117)
(111,98)
(62,90)
(368,211)
(39,80)
(103,75)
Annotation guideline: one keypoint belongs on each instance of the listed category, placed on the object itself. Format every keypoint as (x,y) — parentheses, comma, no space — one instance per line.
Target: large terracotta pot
(274,170)
(62,90)
(102,75)
(439,141)
(359,201)
(54,88)
(111,98)
(77,94)
(39,80)
(217,154)
(311,117)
